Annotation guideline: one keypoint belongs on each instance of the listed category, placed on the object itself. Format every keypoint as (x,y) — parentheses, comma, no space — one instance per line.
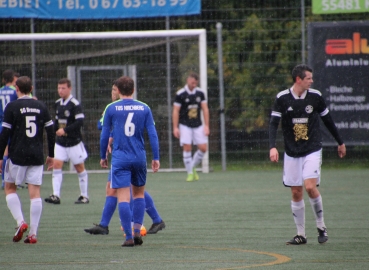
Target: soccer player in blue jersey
(7,94)
(111,197)
(128,119)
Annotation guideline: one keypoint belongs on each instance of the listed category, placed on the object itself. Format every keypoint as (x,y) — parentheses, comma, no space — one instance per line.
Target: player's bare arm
(273,155)
(341,150)
(155,165)
(49,162)
(175,119)
(60,132)
(104,163)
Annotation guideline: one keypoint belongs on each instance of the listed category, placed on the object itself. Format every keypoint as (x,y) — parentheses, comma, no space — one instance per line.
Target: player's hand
(341,150)
(1,166)
(155,165)
(49,162)
(273,155)
(176,132)
(104,163)
(60,132)
(206,130)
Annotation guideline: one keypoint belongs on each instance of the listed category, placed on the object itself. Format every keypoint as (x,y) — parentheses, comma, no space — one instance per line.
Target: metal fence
(262,41)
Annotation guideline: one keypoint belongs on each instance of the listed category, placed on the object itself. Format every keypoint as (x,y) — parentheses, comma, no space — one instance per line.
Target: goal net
(158,61)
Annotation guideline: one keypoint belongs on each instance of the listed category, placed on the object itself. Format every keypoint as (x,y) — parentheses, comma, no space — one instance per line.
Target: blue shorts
(128,173)
(109,176)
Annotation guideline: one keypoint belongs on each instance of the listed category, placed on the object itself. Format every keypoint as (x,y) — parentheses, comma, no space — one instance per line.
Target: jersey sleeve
(178,100)
(49,127)
(275,118)
(78,123)
(7,126)
(105,132)
(153,136)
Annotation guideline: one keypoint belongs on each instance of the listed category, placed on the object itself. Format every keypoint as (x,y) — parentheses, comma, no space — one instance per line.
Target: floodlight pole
(169,102)
(221,96)
(303,31)
(33,58)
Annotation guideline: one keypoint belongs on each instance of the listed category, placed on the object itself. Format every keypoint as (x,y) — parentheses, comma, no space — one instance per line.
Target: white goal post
(200,34)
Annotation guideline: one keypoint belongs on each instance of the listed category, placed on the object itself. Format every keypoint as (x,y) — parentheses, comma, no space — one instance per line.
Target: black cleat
(297,240)
(129,243)
(155,227)
(53,199)
(98,229)
(322,235)
(82,200)
(137,239)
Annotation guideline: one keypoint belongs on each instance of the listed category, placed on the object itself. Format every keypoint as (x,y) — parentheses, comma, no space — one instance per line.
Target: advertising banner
(339,6)
(339,57)
(97,9)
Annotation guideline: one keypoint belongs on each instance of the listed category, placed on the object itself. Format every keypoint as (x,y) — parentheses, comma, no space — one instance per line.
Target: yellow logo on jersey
(301,131)
(192,113)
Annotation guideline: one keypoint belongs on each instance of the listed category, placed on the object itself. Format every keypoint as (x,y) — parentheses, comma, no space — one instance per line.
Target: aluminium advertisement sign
(339,56)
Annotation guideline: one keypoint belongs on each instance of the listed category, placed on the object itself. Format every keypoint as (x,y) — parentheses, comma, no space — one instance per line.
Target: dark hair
(193,75)
(16,74)
(24,84)
(299,71)
(125,85)
(65,81)
(8,76)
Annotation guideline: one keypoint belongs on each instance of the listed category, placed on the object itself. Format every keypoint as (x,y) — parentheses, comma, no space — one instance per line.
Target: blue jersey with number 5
(7,94)
(128,119)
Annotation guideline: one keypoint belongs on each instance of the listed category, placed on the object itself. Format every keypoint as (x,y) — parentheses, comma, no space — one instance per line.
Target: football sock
(187,160)
(138,213)
(5,158)
(15,207)
(35,215)
(83,183)
(298,211)
(197,157)
(125,216)
(108,211)
(317,205)
(57,181)
(151,209)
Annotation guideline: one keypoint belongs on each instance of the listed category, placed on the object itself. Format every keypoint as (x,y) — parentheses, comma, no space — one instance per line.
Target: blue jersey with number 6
(128,119)
(7,94)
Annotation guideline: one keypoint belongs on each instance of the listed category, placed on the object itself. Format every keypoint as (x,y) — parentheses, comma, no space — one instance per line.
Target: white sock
(317,205)
(15,207)
(83,183)
(35,215)
(187,160)
(57,181)
(298,211)
(197,157)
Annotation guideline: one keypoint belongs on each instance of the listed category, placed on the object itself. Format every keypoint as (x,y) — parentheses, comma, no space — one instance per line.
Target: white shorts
(297,170)
(192,135)
(76,154)
(18,174)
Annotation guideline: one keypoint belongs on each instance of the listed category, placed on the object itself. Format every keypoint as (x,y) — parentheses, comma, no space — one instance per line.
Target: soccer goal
(158,61)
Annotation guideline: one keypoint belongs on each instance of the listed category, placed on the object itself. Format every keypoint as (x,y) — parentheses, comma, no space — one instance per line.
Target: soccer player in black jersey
(24,121)
(69,146)
(187,124)
(300,108)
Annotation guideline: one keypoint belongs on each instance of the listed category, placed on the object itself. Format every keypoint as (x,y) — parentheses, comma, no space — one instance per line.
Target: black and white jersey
(190,103)
(23,125)
(69,116)
(300,120)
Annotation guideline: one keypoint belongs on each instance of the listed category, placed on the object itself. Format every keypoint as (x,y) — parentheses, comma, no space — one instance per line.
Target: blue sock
(5,158)
(151,209)
(138,213)
(108,211)
(125,219)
